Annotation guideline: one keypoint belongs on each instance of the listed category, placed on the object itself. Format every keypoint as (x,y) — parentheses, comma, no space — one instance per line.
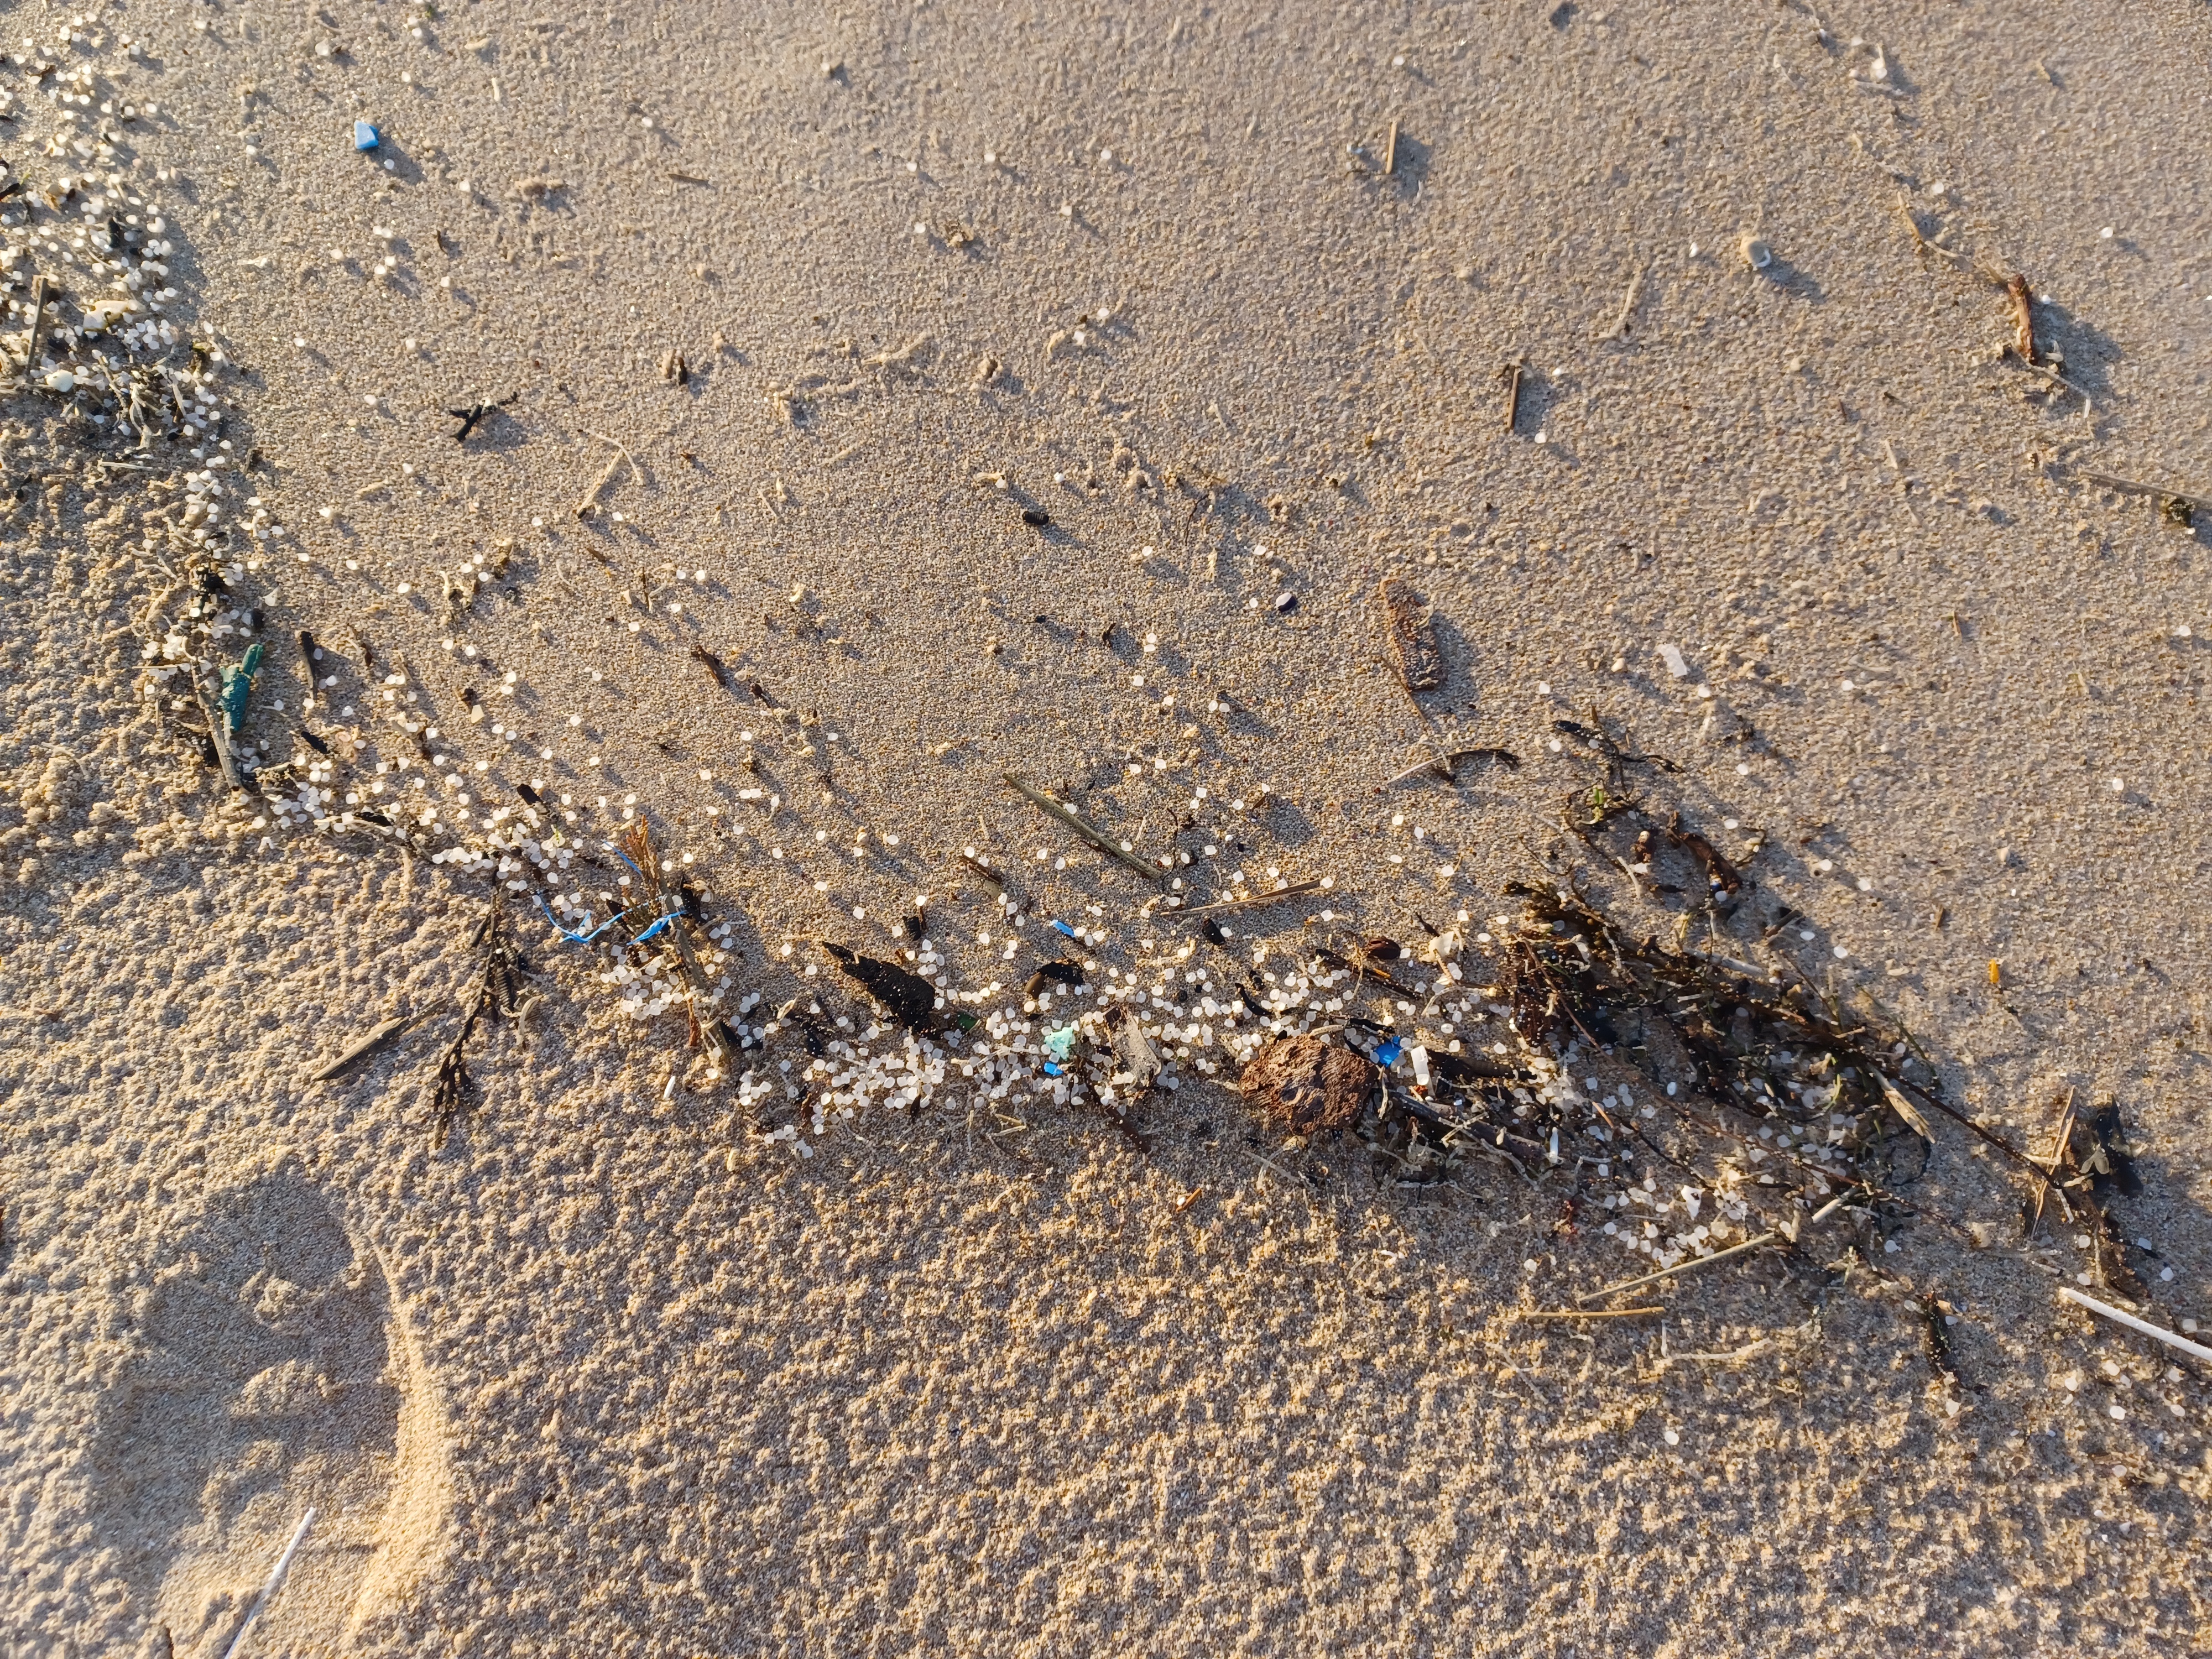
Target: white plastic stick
(275,1582)
(2197,1350)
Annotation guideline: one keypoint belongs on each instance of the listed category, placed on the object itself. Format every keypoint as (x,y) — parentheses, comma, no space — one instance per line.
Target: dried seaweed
(362,1048)
(907,996)
(1777,1055)
(1935,1327)
(677,901)
(1061,972)
(2106,1162)
(497,987)
(1721,876)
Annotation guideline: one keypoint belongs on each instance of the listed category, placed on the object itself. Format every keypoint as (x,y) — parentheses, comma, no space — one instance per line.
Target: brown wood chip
(1307,1086)
(1413,637)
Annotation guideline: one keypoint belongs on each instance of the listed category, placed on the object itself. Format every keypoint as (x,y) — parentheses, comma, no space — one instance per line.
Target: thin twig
(1060,813)
(591,500)
(218,732)
(1585,1313)
(38,327)
(1619,329)
(2059,1142)
(1253,902)
(1446,766)
(2136,487)
(1924,241)
(1775,1236)
(2012,355)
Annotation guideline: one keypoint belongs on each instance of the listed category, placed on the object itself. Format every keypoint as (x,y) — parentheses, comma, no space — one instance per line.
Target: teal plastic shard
(238,686)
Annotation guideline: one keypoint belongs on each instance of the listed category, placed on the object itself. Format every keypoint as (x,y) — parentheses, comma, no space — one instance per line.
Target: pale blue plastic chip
(364,137)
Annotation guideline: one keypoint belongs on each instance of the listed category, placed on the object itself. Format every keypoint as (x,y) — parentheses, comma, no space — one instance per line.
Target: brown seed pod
(1307,1086)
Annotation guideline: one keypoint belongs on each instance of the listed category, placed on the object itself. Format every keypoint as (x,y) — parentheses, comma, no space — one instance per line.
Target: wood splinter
(1621,322)
(2023,320)
(39,295)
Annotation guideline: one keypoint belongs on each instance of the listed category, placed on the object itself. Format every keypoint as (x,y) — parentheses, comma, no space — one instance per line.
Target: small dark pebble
(1036,517)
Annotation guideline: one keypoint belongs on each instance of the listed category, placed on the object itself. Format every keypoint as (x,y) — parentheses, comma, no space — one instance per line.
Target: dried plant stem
(1586,1313)
(1771,1236)
(1061,812)
(591,500)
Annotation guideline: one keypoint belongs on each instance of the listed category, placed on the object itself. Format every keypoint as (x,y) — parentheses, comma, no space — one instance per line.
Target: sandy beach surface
(863,403)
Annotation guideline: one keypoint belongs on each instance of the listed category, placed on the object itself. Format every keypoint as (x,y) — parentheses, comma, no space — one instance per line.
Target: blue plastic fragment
(576,938)
(1051,1070)
(1062,928)
(1387,1053)
(365,136)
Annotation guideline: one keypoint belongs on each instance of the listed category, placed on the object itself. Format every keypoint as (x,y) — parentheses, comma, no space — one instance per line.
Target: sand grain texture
(611,1370)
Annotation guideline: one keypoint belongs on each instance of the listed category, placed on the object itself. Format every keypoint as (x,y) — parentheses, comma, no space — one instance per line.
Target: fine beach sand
(612,1370)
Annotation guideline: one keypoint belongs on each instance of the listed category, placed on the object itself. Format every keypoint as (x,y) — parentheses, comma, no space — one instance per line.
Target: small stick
(986,871)
(2059,1142)
(1619,329)
(1063,813)
(37,325)
(1390,151)
(307,649)
(1586,1313)
(1511,375)
(276,1581)
(2195,1350)
(591,500)
(1296,889)
(2023,318)
(1695,1262)
(218,732)
(1446,766)
(2133,487)
(2014,357)
(364,1049)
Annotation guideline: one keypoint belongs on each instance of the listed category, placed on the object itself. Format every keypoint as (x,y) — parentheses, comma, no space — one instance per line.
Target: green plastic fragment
(238,686)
